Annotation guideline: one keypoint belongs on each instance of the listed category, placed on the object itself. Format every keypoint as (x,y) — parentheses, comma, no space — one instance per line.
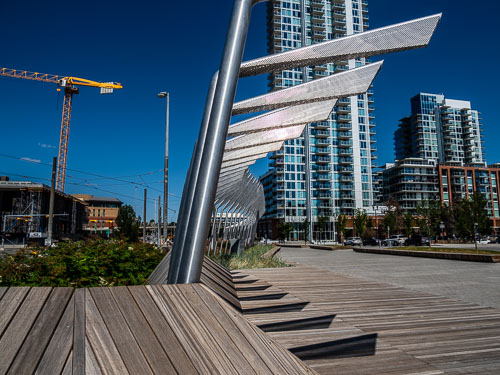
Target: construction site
(24,213)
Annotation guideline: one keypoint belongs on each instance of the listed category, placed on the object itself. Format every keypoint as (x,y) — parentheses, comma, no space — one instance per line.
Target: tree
(369,227)
(341,226)
(360,220)
(472,217)
(390,222)
(408,223)
(128,227)
(284,230)
(429,218)
(305,227)
(322,220)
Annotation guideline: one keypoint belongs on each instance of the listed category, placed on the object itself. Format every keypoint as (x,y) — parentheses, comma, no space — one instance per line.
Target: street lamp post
(165,95)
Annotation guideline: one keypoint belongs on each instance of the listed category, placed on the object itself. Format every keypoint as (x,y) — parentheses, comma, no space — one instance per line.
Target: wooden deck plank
(20,325)
(38,338)
(144,335)
(167,339)
(261,364)
(3,289)
(123,338)
(105,351)
(91,365)
(196,328)
(9,304)
(60,345)
(226,342)
(195,351)
(265,347)
(79,341)
(68,367)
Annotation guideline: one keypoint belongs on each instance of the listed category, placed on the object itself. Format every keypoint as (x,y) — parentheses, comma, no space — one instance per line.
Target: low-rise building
(458,182)
(410,182)
(24,212)
(101,213)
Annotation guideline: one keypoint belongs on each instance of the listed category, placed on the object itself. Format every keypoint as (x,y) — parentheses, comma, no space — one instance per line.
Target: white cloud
(31,160)
(45,145)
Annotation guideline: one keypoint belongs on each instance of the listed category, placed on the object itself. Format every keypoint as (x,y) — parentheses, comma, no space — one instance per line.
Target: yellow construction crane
(70,87)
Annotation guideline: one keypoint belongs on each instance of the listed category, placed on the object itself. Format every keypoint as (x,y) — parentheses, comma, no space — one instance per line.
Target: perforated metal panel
(400,37)
(348,83)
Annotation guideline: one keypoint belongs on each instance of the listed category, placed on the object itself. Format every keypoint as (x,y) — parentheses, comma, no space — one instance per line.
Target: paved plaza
(466,281)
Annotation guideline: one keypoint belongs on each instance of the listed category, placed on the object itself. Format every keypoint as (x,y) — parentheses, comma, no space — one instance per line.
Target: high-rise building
(445,130)
(328,170)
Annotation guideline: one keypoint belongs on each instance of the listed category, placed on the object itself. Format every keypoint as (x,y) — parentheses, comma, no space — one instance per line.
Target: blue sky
(176,47)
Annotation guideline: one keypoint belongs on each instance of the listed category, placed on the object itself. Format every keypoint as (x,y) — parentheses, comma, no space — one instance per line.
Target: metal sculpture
(218,182)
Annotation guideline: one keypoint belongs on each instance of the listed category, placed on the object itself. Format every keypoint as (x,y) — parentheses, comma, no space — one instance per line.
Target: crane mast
(69,84)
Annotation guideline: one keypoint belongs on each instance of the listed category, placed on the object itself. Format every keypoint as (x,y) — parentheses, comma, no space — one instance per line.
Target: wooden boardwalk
(172,329)
(376,328)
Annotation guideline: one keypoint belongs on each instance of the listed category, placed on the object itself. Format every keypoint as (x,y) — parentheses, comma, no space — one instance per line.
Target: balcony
(322,125)
(321,68)
(344,135)
(323,142)
(345,161)
(349,196)
(343,109)
(345,152)
(321,150)
(339,21)
(318,26)
(323,160)
(315,10)
(343,118)
(324,168)
(321,133)
(345,143)
(347,179)
(322,176)
(344,126)
(349,169)
(322,186)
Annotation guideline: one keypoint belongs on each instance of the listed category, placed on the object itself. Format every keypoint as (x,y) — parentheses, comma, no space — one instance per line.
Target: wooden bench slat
(144,335)
(220,336)
(166,337)
(39,336)
(9,304)
(103,346)
(194,350)
(59,348)
(15,334)
(123,338)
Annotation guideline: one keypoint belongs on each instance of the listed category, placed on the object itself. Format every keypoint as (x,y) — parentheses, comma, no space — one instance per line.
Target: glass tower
(328,170)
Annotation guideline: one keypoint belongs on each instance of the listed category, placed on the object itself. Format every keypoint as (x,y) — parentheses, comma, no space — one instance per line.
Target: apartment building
(328,170)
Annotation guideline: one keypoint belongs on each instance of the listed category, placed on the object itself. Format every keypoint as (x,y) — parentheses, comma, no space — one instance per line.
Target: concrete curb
(271,253)
(485,258)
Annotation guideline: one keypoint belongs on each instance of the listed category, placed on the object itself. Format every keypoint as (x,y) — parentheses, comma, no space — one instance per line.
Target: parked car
(372,241)
(353,241)
(398,238)
(418,240)
(484,241)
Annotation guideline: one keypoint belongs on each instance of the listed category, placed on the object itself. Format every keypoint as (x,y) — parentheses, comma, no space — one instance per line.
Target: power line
(88,173)
(77,184)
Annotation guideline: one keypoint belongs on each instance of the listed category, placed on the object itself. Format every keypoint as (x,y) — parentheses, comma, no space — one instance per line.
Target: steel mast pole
(165,95)
(188,270)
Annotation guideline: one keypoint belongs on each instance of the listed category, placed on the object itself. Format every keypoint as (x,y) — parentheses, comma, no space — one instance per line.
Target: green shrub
(81,264)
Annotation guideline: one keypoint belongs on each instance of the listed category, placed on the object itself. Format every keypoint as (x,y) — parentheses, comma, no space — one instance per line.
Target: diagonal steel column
(187,269)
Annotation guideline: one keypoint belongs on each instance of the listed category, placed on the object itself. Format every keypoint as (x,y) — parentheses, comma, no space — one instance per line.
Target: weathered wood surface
(416,333)
(159,329)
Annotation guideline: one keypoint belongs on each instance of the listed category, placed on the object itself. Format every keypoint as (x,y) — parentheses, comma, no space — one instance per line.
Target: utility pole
(159,221)
(165,95)
(51,202)
(144,223)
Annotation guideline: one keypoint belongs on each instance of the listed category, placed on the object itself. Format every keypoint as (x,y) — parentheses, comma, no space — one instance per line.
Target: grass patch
(445,250)
(251,258)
